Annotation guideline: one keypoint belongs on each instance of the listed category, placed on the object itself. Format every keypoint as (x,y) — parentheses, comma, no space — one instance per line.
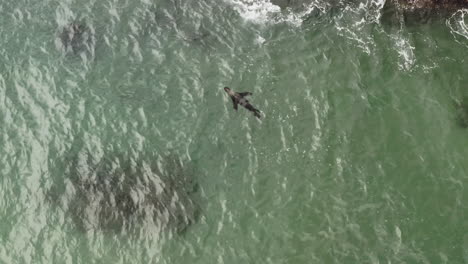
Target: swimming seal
(239,99)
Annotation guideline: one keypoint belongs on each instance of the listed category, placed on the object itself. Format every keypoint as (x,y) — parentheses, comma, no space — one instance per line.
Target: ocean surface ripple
(119,145)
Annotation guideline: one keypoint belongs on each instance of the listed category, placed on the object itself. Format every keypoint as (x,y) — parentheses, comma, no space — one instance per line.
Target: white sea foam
(458,26)
(405,52)
(354,22)
(263,11)
(259,40)
(259,11)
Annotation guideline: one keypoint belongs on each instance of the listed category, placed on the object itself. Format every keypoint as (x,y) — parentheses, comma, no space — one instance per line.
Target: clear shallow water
(359,158)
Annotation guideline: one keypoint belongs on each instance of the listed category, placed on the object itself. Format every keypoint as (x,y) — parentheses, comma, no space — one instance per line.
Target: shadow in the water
(121,194)
(461,107)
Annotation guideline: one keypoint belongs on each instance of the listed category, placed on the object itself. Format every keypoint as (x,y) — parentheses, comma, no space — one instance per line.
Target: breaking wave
(265,11)
(357,22)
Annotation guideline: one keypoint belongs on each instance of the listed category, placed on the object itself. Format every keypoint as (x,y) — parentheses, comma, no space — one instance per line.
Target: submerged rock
(421,11)
(77,37)
(432,4)
(282,3)
(120,194)
(417,10)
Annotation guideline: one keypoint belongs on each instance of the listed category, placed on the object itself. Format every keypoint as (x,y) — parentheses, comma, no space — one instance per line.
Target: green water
(358,158)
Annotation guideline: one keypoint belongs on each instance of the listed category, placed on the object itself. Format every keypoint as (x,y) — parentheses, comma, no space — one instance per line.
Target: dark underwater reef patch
(421,11)
(433,4)
(77,37)
(393,12)
(121,194)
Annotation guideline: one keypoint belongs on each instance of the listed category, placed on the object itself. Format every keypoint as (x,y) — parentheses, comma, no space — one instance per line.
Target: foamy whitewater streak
(351,20)
(259,11)
(355,21)
(405,52)
(263,11)
(458,26)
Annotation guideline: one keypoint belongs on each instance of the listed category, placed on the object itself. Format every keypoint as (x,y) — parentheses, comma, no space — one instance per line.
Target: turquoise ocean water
(360,156)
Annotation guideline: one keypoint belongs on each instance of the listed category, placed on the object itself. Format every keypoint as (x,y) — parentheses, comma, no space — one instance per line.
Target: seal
(239,99)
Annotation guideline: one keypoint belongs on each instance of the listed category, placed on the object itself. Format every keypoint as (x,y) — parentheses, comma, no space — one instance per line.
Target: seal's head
(227,89)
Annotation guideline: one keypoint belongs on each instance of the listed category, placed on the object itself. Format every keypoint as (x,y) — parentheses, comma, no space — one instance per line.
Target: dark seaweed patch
(120,194)
(77,37)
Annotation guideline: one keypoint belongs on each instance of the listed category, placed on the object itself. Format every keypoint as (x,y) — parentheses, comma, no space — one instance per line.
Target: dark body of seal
(239,99)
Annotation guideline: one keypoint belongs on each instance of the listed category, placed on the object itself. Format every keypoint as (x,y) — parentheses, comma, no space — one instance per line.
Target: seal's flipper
(234,103)
(254,110)
(257,114)
(245,94)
